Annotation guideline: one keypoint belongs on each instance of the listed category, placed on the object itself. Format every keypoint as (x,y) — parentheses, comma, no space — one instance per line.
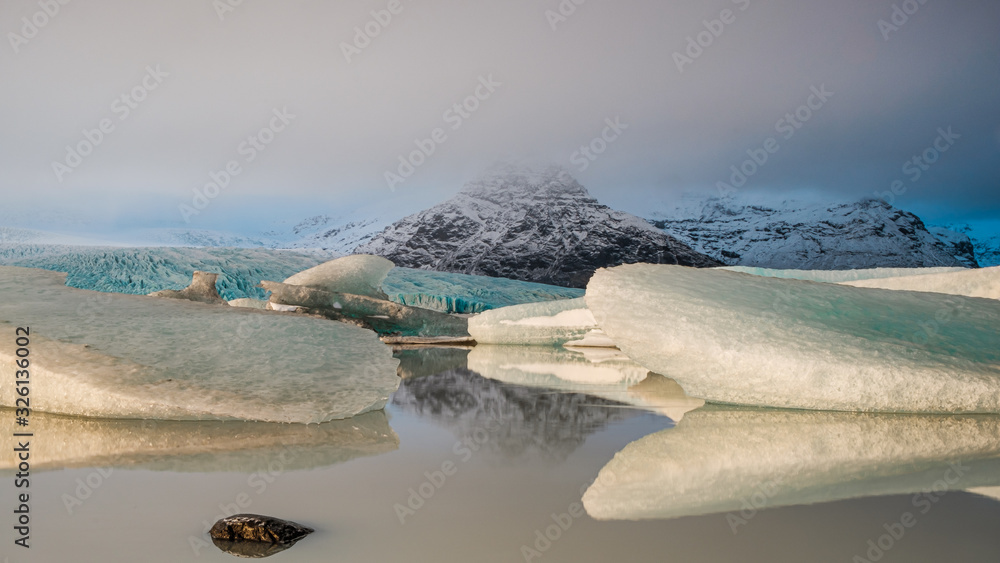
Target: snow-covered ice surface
(124,356)
(145,270)
(464,293)
(604,373)
(232,446)
(541,324)
(984,282)
(721,460)
(840,276)
(359,274)
(736,338)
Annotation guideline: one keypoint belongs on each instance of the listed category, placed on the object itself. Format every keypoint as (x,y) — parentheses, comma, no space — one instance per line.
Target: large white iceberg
(736,338)
(605,373)
(360,274)
(124,356)
(839,276)
(543,324)
(740,461)
(983,282)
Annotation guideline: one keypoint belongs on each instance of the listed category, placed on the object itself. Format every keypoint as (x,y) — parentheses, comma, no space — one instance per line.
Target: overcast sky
(199,81)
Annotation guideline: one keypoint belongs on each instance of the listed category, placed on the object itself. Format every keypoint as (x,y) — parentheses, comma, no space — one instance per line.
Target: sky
(126,113)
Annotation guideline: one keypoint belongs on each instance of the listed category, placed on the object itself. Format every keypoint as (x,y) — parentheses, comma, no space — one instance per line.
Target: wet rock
(202,290)
(253,535)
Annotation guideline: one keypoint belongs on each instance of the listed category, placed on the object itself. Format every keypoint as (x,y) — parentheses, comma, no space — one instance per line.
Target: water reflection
(732,460)
(519,422)
(600,372)
(198,445)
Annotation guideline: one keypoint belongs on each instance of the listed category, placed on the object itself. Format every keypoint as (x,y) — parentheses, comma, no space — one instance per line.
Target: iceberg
(360,274)
(604,373)
(199,446)
(983,282)
(550,323)
(124,356)
(735,338)
(465,293)
(724,460)
(385,317)
(839,276)
(202,290)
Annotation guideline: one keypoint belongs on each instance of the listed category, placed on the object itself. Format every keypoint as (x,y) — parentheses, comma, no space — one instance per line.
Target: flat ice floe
(984,282)
(600,372)
(735,338)
(738,461)
(123,356)
(550,323)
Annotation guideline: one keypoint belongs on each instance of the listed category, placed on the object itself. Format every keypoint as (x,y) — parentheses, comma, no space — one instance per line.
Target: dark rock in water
(253,535)
(202,290)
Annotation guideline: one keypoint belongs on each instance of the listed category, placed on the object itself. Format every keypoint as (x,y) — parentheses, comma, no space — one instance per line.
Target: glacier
(729,337)
(541,324)
(984,282)
(724,460)
(124,356)
(449,292)
(604,373)
(145,270)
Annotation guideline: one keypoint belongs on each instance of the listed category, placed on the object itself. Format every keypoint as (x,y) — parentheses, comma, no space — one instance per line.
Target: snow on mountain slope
(337,235)
(527,224)
(957,244)
(983,242)
(793,235)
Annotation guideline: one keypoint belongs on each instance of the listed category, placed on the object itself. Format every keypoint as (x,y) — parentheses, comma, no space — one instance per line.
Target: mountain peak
(507,181)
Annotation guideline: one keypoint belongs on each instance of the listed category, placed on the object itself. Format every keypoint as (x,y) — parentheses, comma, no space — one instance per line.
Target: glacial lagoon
(491,456)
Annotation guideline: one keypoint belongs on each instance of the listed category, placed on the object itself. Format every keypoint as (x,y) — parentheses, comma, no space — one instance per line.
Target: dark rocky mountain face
(531,225)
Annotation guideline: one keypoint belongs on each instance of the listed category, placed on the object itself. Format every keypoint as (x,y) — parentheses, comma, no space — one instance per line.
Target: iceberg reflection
(601,372)
(724,459)
(200,446)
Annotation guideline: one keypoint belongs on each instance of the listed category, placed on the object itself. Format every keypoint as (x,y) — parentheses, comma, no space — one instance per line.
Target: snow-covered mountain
(982,241)
(956,243)
(531,224)
(794,235)
(336,235)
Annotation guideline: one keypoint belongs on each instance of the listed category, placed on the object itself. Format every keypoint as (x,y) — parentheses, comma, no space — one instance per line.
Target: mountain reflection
(522,423)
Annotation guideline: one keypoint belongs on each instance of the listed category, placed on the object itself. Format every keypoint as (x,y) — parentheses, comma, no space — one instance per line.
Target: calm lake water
(468,468)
